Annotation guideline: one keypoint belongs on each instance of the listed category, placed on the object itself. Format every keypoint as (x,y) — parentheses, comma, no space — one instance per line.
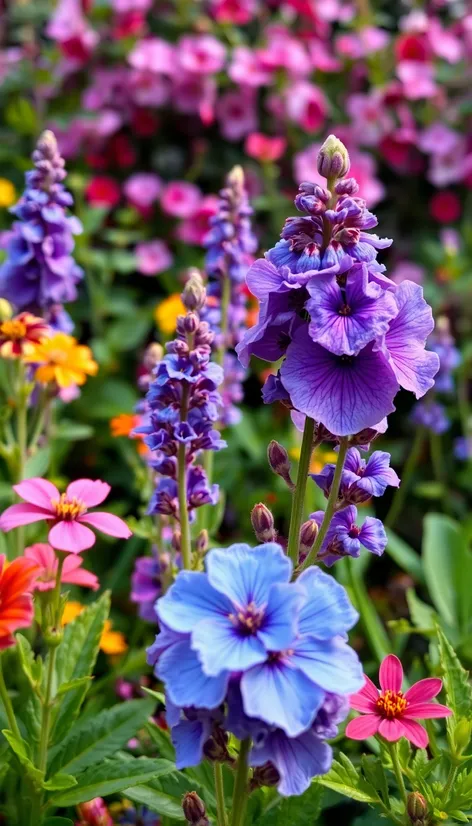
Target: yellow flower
(7,193)
(167,312)
(111,642)
(319,459)
(62,361)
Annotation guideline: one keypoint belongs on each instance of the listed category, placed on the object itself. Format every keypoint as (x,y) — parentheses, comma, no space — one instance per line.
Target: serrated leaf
(110,777)
(456,679)
(20,749)
(155,800)
(375,775)
(344,779)
(92,740)
(59,781)
(32,667)
(76,658)
(295,811)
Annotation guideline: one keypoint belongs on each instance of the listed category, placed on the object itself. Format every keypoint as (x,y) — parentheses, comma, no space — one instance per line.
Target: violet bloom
(361,478)
(146,584)
(443,344)
(431,415)
(39,270)
(345,537)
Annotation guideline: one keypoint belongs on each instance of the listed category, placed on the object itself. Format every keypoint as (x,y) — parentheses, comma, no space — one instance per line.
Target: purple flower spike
(345,537)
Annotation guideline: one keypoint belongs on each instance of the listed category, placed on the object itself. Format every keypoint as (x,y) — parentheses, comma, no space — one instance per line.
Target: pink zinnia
(391,713)
(180,199)
(67,511)
(46,560)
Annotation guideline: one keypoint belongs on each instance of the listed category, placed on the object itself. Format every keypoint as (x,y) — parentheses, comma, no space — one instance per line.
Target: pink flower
(194,94)
(153,257)
(103,191)
(370,117)
(72,572)
(391,713)
(67,511)
(264,148)
(202,54)
(306,104)
(153,55)
(417,78)
(143,189)
(237,12)
(180,199)
(284,51)
(247,68)
(237,114)
(194,229)
(71,30)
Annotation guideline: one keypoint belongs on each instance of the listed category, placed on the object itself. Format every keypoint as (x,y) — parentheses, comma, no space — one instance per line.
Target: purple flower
(39,270)
(432,415)
(345,393)
(463,448)
(345,319)
(146,584)
(344,537)
(360,479)
(442,343)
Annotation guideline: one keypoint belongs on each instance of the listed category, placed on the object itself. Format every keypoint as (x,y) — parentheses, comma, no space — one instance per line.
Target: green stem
(185,537)
(240,793)
(224,307)
(393,749)
(7,704)
(298,497)
(47,701)
(408,471)
(437,456)
(331,504)
(433,743)
(220,794)
(378,641)
(449,782)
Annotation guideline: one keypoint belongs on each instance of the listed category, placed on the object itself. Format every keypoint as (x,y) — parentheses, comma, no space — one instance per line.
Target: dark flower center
(346,360)
(354,531)
(345,310)
(248,620)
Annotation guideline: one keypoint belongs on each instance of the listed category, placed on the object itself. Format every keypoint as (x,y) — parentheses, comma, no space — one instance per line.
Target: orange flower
(16,603)
(63,361)
(18,335)
(111,642)
(123,424)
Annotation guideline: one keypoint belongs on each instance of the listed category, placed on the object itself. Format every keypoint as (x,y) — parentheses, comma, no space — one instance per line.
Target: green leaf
(295,811)
(128,333)
(65,687)
(57,821)
(157,695)
(424,616)
(20,748)
(76,657)
(448,568)
(21,116)
(73,431)
(375,775)
(32,666)
(159,802)
(94,739)
(110,777)
(38,463)
(60,781)
(405,557)
(346,780)
(161,740)
(374,629)
(456,679)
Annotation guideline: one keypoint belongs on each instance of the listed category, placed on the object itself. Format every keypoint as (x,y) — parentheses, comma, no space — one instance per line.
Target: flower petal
(391,674)
(363,727)
(415,733)
(71,536)
(424,690)
(221,647)
(281,696)
(327,610)
(189,737)
(91,492)
(246,574)
(280,621)
(362,701)
(331,664)
(107,523)
(190,599)
(426,711)
(22,514)
(297,760)
(392,730)
(186,684)
(38,491)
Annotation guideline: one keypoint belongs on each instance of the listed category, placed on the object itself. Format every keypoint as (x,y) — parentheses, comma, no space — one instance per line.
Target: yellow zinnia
(167,313)
(7,193)
(63,361)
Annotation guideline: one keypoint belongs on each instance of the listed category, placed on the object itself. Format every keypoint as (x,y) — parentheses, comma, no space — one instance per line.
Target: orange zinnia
(16,602)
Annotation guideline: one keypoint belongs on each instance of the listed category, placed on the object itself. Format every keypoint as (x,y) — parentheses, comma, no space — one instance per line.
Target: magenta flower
(67,512)
(391,713)
(153,257)
(201,54)
(180,199)
(143,189)
(72,572)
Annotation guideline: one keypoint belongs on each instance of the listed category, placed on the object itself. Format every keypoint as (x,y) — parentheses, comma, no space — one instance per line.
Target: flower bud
(308,533)
(333,159)
(216,747)
(263,523)
(348,186)
(266,775)
(417,809)
(6,310)
(176,540)
(194,294)
(235,178)
(201,543)
(279,462)
(194,809)
(153,355)
(191,323)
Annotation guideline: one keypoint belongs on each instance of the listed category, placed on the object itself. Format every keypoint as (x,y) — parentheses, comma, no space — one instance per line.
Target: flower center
(346,360)
(13,329)
(354,531)
(391,704)
(68,509)
(57,356)
(248,620)
(345,310)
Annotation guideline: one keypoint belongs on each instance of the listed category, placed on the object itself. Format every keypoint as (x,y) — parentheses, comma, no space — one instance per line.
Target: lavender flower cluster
(39,273)
(230,244)
(350,337)
(183,405)
(244,650)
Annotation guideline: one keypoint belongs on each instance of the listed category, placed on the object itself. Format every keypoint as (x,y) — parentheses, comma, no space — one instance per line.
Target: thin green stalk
(408,471)
(219,794)
(224,308)
(433,743)
(450,781)
(377,638)
(393,749)
(331,505)
(240,793)
(7,704)
(47,701)
(298,496)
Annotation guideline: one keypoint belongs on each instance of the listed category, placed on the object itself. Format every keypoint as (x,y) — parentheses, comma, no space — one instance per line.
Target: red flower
(16,604)
(19,334)
(264,148)
(103,191)
(392,713)
(445,207)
